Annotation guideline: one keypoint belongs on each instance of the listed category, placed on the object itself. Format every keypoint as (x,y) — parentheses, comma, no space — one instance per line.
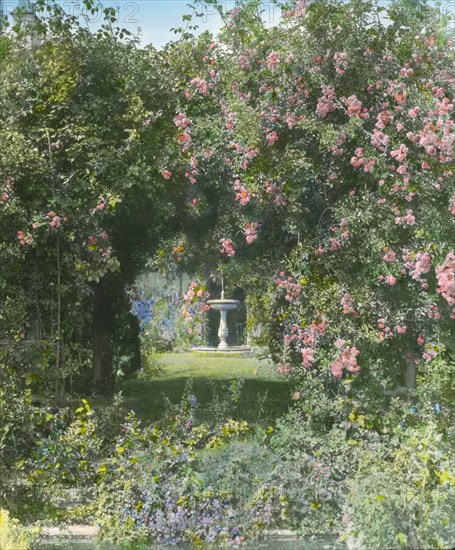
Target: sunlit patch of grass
(210,373)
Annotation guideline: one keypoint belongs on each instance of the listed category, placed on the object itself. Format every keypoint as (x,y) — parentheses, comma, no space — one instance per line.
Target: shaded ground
(264,394)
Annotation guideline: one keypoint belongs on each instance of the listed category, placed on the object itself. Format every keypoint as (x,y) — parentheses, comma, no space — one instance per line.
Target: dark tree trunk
(103,324)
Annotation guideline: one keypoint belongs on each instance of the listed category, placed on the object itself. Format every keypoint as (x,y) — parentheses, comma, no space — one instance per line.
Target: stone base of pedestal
(228,349)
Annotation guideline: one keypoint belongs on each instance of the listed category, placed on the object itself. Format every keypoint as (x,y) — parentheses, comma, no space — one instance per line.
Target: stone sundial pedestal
(223,305)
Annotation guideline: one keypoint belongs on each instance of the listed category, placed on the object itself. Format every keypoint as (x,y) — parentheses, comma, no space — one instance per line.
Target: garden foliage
(312,161)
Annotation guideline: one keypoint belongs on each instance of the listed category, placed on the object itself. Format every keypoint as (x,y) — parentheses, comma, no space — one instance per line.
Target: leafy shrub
(70,453)
(239,468)
(165,323)
(20,421)
(313,470)
(183,482)
(405,496)
(12,535)
(151,365)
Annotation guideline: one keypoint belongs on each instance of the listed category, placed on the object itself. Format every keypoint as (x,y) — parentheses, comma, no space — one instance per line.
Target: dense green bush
(404,496)
(12,534)
(183,482)
(313,470)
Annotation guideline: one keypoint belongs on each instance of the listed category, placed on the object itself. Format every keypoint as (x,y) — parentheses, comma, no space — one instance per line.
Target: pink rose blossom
(308,357)
(391,280)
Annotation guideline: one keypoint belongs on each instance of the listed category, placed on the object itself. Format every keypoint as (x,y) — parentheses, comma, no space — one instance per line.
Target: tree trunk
(411,371)
(103,321)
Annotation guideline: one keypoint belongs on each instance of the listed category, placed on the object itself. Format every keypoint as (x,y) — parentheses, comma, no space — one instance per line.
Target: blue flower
(437,408)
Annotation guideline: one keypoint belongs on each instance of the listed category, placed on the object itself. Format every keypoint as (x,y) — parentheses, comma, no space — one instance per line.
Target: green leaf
(402,539)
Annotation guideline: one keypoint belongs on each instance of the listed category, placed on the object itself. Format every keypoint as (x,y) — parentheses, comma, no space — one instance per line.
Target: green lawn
(264,396)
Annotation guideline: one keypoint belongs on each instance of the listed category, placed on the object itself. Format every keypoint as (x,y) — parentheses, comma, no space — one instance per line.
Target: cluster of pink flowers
(232,14)
(433,312)
(400,154)
(185,139)
(337,148)
(270,114)
(354,107)
(385,332)
(346,361)
(252,153)
(227,247)
(245,58)
(389,279)
(55,220)
(307,357)
(298,10)
(244,154)
(249,155)
(196,291)
(230,121)
(406,72)
(7,192)
(25,238)
(292,119)
(443,106)
(272,137)
(251,231)
(291,286)
(166,174)
(309,335)
(332,244)
(302,92)
(284,368)
(359,160)
(93,241)
(200,85)
(383,119)
(409,218)
(243,194)
(452,205)
(418,264)
(438,136)
(326,103)
(100,245)
(274,190)
(445,275)
(379,140)
(100,205)
(414,112)
(181,121)
(340,60)
(239,148)
(429,354)
(273,59)
(192,171)
(389,256)
(346,303)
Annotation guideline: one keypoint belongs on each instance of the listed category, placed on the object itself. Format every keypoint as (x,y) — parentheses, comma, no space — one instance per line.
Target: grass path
(211,375)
